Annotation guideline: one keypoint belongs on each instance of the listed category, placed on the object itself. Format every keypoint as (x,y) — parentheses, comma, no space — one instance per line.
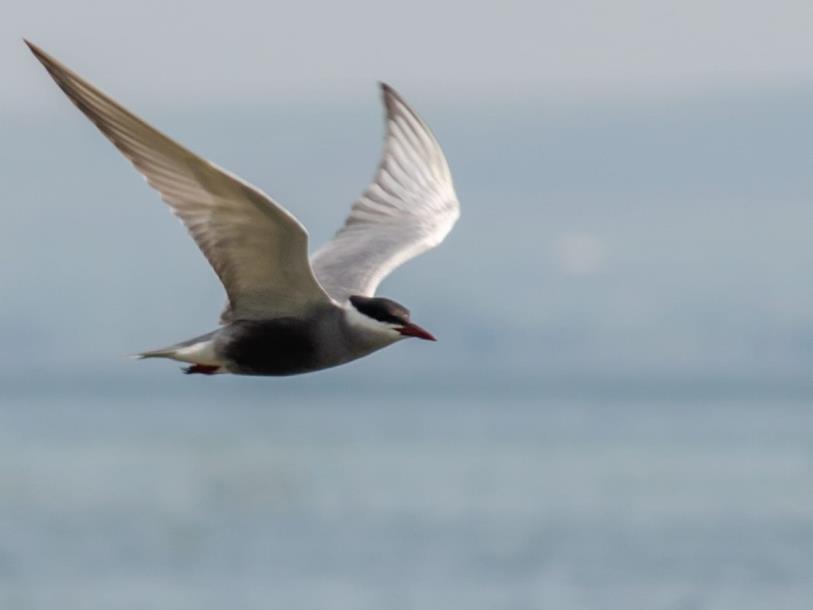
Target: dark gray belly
(284,346)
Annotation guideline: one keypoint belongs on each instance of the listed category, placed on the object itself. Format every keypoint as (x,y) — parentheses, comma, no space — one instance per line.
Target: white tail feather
(200,352)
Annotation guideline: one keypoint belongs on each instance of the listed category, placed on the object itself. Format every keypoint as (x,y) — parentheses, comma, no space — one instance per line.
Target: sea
(209,499)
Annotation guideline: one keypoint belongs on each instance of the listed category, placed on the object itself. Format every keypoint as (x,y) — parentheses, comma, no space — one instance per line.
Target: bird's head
(389,315)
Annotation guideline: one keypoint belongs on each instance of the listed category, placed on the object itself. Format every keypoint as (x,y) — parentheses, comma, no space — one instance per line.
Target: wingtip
(389,95)
(387,90)
(38,52)
(32,47)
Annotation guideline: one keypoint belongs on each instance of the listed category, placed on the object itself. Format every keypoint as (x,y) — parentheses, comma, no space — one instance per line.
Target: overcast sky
(216,53)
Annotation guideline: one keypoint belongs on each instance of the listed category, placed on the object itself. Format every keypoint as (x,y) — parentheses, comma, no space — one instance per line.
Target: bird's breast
(283,346)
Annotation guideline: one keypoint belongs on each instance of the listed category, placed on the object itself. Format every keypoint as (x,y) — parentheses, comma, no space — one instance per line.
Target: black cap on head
(381,309)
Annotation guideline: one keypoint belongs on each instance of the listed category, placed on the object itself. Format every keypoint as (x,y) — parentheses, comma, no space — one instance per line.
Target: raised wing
(408,209)
(258,250)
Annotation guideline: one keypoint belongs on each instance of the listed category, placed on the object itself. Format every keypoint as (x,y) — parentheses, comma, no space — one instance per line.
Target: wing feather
(258,249)
(409,208)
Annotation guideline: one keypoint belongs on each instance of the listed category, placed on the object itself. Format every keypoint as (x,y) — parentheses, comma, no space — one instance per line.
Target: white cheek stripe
(359,320)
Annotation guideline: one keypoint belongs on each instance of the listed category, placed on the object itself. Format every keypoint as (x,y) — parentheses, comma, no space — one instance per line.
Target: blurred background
(617,413)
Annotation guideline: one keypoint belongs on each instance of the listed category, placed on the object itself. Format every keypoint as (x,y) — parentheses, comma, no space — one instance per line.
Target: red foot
(203,369)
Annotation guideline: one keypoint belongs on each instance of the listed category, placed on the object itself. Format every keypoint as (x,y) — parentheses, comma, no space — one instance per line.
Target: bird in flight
(288,313)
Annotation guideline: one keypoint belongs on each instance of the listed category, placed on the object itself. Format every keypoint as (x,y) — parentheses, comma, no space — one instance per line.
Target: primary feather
(258,250)
(409,208)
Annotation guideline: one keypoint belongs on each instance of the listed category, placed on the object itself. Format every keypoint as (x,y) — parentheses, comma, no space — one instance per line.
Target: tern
(288,313)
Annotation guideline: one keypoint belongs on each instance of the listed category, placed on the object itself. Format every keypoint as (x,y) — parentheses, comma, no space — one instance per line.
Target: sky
(634,179)
(208,53)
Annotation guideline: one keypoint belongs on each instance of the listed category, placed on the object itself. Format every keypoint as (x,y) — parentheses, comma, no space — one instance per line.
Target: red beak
(413,330)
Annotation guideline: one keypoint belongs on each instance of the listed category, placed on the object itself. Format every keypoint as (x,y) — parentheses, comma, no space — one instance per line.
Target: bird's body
(279,346)
(289,313)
